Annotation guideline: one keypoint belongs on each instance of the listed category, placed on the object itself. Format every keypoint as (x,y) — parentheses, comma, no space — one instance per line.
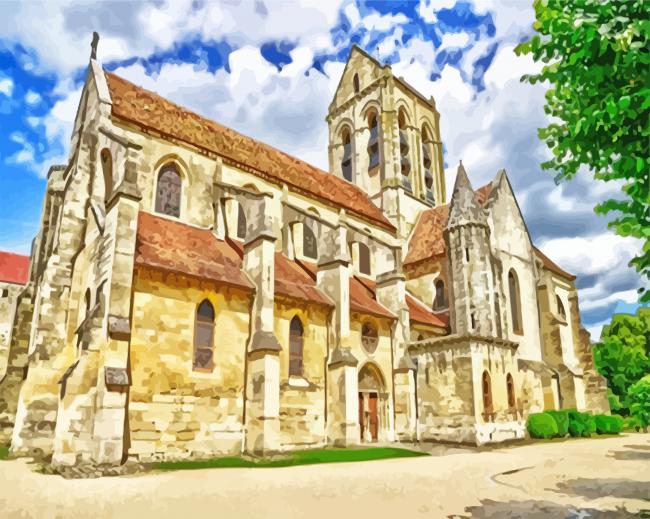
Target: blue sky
(269,69)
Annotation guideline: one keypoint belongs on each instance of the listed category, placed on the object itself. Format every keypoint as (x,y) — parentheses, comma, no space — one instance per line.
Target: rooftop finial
(93,45)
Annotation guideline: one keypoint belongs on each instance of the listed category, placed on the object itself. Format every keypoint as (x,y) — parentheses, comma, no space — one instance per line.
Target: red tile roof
(362,294)
(363,299)
(14,268)
(427,241)
(420,313)
(180,248)
(149,110)
(552,266)
(291,279)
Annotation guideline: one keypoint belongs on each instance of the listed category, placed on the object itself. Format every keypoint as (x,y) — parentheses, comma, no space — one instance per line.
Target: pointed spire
(464,208)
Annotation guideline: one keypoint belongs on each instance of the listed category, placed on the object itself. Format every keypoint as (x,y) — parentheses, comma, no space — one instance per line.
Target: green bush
(638,398)
(630,423)
(581,424)
(606,424)
(541,425)
(561,420)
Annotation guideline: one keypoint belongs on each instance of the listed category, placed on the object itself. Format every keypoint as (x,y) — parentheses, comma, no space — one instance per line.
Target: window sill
(296,381)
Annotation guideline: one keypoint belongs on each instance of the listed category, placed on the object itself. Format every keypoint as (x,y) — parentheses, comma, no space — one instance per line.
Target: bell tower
(384,137)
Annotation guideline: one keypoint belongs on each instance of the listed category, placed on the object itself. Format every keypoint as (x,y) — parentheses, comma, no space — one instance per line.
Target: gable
(362,64)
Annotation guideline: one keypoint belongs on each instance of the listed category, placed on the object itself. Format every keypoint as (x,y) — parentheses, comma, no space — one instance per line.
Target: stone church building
(193,292)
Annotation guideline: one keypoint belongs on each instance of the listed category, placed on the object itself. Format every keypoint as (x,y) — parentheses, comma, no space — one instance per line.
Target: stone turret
(467,237)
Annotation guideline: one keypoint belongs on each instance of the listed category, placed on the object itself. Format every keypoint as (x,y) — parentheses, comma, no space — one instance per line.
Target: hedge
(608,424)
(556,424)
(562,421)
(581,425)
(541,425)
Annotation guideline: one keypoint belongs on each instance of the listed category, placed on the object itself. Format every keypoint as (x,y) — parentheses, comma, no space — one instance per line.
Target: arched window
(346,161)
(204,336)
(440,301)
(87,302)
(426,163)
(364,259)
(241,222)
(404,147)
(355,82)
(515,302)
(107,172)
(510,387)
(295,347)
(369,337)
(373,142)
(168,191)
(487,393)
(560,307)
(309,244)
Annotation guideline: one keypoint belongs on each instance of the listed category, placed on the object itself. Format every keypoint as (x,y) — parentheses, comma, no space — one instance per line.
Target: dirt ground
(588,478)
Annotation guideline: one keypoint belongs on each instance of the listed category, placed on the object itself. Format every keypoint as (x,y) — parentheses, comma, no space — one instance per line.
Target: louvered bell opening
(374,134)
(346,163)
(430,197)
(403,143)
(373,154)
(406,170)
(425,158)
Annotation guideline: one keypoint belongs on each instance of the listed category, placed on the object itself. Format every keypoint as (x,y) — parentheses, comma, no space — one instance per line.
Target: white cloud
(427,9)
(6,86)
(32,98)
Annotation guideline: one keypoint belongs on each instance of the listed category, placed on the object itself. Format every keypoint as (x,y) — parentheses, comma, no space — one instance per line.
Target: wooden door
(361,415)
(373,418)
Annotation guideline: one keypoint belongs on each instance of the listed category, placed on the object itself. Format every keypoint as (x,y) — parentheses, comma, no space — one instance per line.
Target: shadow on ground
(633,453)
(605,487)
(542,510)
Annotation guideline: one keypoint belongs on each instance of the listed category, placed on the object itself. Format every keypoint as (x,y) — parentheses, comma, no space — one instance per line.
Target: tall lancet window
(168,191)
(404,149)
(427,164)
(373,142)
(346,161)
(204,336)
(295,347)
(515,302)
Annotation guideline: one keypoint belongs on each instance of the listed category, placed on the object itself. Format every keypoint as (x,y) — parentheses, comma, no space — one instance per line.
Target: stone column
(343,384)
(263,356)
(391,293)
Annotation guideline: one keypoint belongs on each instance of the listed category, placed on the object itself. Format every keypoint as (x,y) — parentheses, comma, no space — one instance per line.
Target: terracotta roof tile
(427,240)
(14,268)
(419,313)
(291,279)
(552,266)
(149,110)
(177,247)
(362,299)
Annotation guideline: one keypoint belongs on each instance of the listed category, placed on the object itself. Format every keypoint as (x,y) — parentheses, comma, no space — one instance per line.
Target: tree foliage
(639,401)
(595,58)
(623,354)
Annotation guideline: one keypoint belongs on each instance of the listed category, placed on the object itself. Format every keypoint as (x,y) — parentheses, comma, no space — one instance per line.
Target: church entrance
(372,403)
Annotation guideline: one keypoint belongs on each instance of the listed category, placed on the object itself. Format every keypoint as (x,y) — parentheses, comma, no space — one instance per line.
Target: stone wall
(302,399)
(175,411)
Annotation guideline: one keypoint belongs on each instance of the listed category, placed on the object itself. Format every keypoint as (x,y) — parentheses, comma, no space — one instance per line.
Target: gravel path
(595,478)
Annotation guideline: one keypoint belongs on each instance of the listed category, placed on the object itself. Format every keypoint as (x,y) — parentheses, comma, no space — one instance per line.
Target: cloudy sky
(269,69)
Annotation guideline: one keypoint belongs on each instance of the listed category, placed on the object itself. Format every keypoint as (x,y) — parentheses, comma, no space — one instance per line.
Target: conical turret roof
(464,208)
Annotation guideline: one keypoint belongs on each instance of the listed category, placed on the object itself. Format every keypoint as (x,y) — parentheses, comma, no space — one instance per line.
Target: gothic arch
(371,378)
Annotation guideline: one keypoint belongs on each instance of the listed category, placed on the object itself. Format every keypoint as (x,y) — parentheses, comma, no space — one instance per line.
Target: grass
(4,452)
(308,457)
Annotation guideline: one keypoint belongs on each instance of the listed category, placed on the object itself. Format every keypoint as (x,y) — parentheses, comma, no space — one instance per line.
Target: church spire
(464,207)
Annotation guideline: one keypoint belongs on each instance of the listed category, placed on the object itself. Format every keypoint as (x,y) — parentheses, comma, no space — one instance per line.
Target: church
(193,292)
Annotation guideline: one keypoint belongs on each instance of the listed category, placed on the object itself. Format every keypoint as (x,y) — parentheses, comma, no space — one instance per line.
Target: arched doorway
(372,403)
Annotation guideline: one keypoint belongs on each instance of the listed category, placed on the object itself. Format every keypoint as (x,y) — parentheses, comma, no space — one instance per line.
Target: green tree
(623,354)
(638,399)
(595,59)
